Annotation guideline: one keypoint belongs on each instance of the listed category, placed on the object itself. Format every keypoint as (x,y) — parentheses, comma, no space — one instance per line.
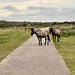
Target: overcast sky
(37,10)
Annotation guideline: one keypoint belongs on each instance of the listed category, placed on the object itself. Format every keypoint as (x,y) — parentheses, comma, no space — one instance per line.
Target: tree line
(5,24)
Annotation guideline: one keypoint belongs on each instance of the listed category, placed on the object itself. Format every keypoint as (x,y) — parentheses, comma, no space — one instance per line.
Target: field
(66,46)
(10,39)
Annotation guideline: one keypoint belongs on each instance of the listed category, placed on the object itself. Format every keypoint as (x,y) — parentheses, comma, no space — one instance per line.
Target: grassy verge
(10,39)
(66,47)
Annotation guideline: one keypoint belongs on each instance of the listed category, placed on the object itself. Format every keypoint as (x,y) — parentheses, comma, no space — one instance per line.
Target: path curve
(32,59)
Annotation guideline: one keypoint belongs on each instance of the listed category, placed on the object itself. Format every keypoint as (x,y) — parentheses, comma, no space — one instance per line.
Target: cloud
(2,0)
(5,13)
(44,10)
(37,10)
(10,8)
(14,0)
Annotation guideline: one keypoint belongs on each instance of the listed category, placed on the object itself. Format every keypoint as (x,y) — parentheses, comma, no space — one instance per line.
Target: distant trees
(5,24)
(24,25)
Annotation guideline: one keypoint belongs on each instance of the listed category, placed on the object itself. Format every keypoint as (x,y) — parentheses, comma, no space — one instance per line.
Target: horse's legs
(45,41)
(55,38)
(40,41)
(48,41)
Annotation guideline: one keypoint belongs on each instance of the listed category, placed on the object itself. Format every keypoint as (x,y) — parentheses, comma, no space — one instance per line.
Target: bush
(68,33)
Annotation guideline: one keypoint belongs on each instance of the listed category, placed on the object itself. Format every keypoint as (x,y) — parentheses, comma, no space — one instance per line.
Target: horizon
(38,21)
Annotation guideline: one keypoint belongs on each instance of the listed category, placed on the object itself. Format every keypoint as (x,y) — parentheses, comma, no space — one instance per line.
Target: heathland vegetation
(13,34)
(6,24)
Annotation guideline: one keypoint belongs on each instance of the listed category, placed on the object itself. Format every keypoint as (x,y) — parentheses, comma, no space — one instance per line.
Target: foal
(41,34)
(55,33)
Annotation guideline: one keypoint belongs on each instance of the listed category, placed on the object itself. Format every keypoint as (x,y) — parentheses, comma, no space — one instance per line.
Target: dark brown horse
(41,34)
(55,33)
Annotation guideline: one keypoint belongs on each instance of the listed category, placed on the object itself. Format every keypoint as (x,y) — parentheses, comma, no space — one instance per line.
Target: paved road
(32,59)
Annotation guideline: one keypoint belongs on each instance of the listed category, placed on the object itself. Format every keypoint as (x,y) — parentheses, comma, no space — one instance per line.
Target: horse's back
(45,32)
(57,31)
(42,33)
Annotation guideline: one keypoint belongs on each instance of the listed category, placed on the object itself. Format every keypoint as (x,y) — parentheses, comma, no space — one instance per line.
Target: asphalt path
(32,59)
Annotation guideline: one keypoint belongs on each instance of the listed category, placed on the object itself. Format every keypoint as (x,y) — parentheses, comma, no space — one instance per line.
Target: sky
(37,10)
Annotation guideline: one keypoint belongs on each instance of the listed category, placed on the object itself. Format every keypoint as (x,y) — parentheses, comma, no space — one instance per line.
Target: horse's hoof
(45,44)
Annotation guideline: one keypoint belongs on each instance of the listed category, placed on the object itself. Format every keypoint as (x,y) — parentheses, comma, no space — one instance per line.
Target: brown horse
(55,33)
(41,34)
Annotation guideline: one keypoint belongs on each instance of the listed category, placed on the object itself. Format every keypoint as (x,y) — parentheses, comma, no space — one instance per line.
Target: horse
(55,33)
(41,34)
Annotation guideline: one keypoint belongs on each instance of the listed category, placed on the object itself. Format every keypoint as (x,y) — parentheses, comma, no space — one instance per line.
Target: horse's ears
(51,27)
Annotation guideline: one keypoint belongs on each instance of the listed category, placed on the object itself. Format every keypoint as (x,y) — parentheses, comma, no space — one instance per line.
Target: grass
(66,47)
(10,39)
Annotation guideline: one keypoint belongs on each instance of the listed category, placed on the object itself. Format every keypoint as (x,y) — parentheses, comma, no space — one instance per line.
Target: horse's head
(50,30)
(32,31)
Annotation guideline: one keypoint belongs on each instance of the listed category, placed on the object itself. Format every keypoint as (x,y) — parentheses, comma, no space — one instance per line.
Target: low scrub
(68,33)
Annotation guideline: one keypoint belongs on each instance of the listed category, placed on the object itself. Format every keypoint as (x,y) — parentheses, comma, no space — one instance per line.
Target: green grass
(10,39)
(66,47)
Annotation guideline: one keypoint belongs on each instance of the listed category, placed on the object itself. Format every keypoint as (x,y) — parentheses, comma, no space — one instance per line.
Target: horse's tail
(48,37)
